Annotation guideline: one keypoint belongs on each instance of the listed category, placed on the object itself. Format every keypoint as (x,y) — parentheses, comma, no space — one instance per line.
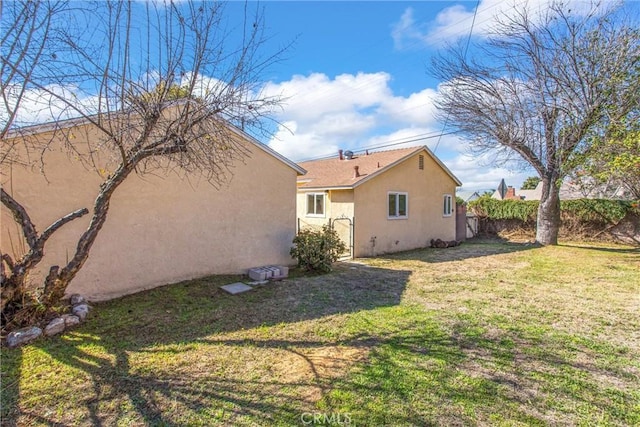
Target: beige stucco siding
(160,229)
(338,204)
(425,221)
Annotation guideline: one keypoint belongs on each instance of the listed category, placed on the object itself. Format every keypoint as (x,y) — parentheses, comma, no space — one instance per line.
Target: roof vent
(348,154)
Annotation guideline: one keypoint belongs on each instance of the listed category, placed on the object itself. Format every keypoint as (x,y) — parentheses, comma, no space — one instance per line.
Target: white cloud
(308,97)
(455,22)
(325,114)
(417,108)
(360,111)
(301,145)
(54,102)
(477,174)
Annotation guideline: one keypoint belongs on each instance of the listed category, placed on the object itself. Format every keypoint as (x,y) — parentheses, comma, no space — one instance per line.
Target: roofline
(443,166)
(49,126)
(333,187)
(299,169)
(389,166)
(85,120)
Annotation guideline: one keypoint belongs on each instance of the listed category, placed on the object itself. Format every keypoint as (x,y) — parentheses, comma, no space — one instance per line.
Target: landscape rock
(76,299)
(441,244)
(54,327)
(81,310)
(70,319)
(23,336)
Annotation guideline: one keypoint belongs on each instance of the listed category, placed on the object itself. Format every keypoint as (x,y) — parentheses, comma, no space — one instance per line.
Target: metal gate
(345,233)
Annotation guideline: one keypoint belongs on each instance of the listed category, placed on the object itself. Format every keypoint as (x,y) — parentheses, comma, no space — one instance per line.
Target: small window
(448,205)
(398,205)
(315,204)
(421,162)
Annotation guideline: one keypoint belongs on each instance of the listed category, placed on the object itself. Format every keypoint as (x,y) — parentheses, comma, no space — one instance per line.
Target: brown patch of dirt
(318,366)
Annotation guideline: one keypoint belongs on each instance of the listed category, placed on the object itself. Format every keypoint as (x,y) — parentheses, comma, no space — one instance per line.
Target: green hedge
(584,210)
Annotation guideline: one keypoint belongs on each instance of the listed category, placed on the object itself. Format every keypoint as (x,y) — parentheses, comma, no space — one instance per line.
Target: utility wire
(391,143)
(466,49)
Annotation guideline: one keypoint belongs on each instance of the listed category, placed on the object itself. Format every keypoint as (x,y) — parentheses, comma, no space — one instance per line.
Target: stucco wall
(425,221)
(160,229)
(338,204)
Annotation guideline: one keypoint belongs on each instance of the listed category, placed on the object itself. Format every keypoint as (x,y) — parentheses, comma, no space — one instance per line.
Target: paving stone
(258,282)
(236,288)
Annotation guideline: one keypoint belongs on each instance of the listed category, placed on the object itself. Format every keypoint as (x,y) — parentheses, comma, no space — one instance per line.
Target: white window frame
(397,207)
(324,205)
(447,202)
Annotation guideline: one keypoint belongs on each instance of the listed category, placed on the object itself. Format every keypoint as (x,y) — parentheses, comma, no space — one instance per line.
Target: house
(468,196)
(380,202)
(569,190)
(160,228)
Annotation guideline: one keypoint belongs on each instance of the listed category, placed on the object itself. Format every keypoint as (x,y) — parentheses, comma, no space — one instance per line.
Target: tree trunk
(548,223)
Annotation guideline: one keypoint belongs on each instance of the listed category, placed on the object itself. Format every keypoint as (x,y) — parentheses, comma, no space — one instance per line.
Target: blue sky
(356,76)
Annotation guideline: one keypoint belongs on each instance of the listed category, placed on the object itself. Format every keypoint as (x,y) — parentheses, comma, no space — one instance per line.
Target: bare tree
(539,88)
(160,83)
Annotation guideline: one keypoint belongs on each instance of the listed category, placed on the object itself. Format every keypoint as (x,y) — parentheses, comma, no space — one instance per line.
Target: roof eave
(299,169)
(325,188)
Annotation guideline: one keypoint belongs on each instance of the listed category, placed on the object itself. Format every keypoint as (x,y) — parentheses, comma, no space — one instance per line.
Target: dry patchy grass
(488,333)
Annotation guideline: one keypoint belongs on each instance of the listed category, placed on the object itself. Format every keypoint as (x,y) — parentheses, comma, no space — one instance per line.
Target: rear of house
(380,202)
(160,229)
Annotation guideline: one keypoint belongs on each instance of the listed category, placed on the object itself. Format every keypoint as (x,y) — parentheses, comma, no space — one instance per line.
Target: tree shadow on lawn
(174,319)
(600,248)
(190,354)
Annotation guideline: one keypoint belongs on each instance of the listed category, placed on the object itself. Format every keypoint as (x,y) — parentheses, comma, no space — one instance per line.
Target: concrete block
(257,274)
(284,271)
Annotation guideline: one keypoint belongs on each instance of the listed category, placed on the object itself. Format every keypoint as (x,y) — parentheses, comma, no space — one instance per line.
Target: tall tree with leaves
(530,183)
(159,84)
(539,88)
(612,162)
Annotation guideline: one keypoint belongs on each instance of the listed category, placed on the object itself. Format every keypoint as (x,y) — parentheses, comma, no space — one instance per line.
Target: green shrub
(581,210)
(486,207)
(316,250)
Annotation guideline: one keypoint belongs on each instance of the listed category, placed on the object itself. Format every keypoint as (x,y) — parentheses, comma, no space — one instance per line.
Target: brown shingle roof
(336,173)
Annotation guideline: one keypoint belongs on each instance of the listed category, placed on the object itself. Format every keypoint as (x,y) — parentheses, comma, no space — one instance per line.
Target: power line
(386,144)
(466,49)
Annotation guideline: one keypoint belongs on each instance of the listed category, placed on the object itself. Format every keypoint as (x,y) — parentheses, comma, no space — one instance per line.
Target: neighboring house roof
(468,196)
(534,194)
(80,121)
(334,173)
(569,191)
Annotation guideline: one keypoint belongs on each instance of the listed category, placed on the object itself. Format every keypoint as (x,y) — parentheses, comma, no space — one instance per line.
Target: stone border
(79,311)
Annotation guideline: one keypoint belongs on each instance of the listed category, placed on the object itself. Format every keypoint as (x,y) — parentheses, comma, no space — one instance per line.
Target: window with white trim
(315,204)
(398,205)
(447,205)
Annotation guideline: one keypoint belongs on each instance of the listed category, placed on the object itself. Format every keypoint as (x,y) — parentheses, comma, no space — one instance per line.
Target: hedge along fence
(581,218)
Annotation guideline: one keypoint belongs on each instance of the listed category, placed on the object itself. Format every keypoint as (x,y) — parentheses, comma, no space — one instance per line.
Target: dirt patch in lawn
(317,367)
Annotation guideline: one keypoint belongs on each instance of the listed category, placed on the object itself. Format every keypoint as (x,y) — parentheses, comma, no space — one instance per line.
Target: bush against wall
(316,250)
(581,218)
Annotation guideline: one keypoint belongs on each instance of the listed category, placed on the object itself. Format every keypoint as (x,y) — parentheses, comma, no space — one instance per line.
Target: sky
(357,77)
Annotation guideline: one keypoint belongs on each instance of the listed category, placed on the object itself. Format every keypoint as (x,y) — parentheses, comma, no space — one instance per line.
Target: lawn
(488,333)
